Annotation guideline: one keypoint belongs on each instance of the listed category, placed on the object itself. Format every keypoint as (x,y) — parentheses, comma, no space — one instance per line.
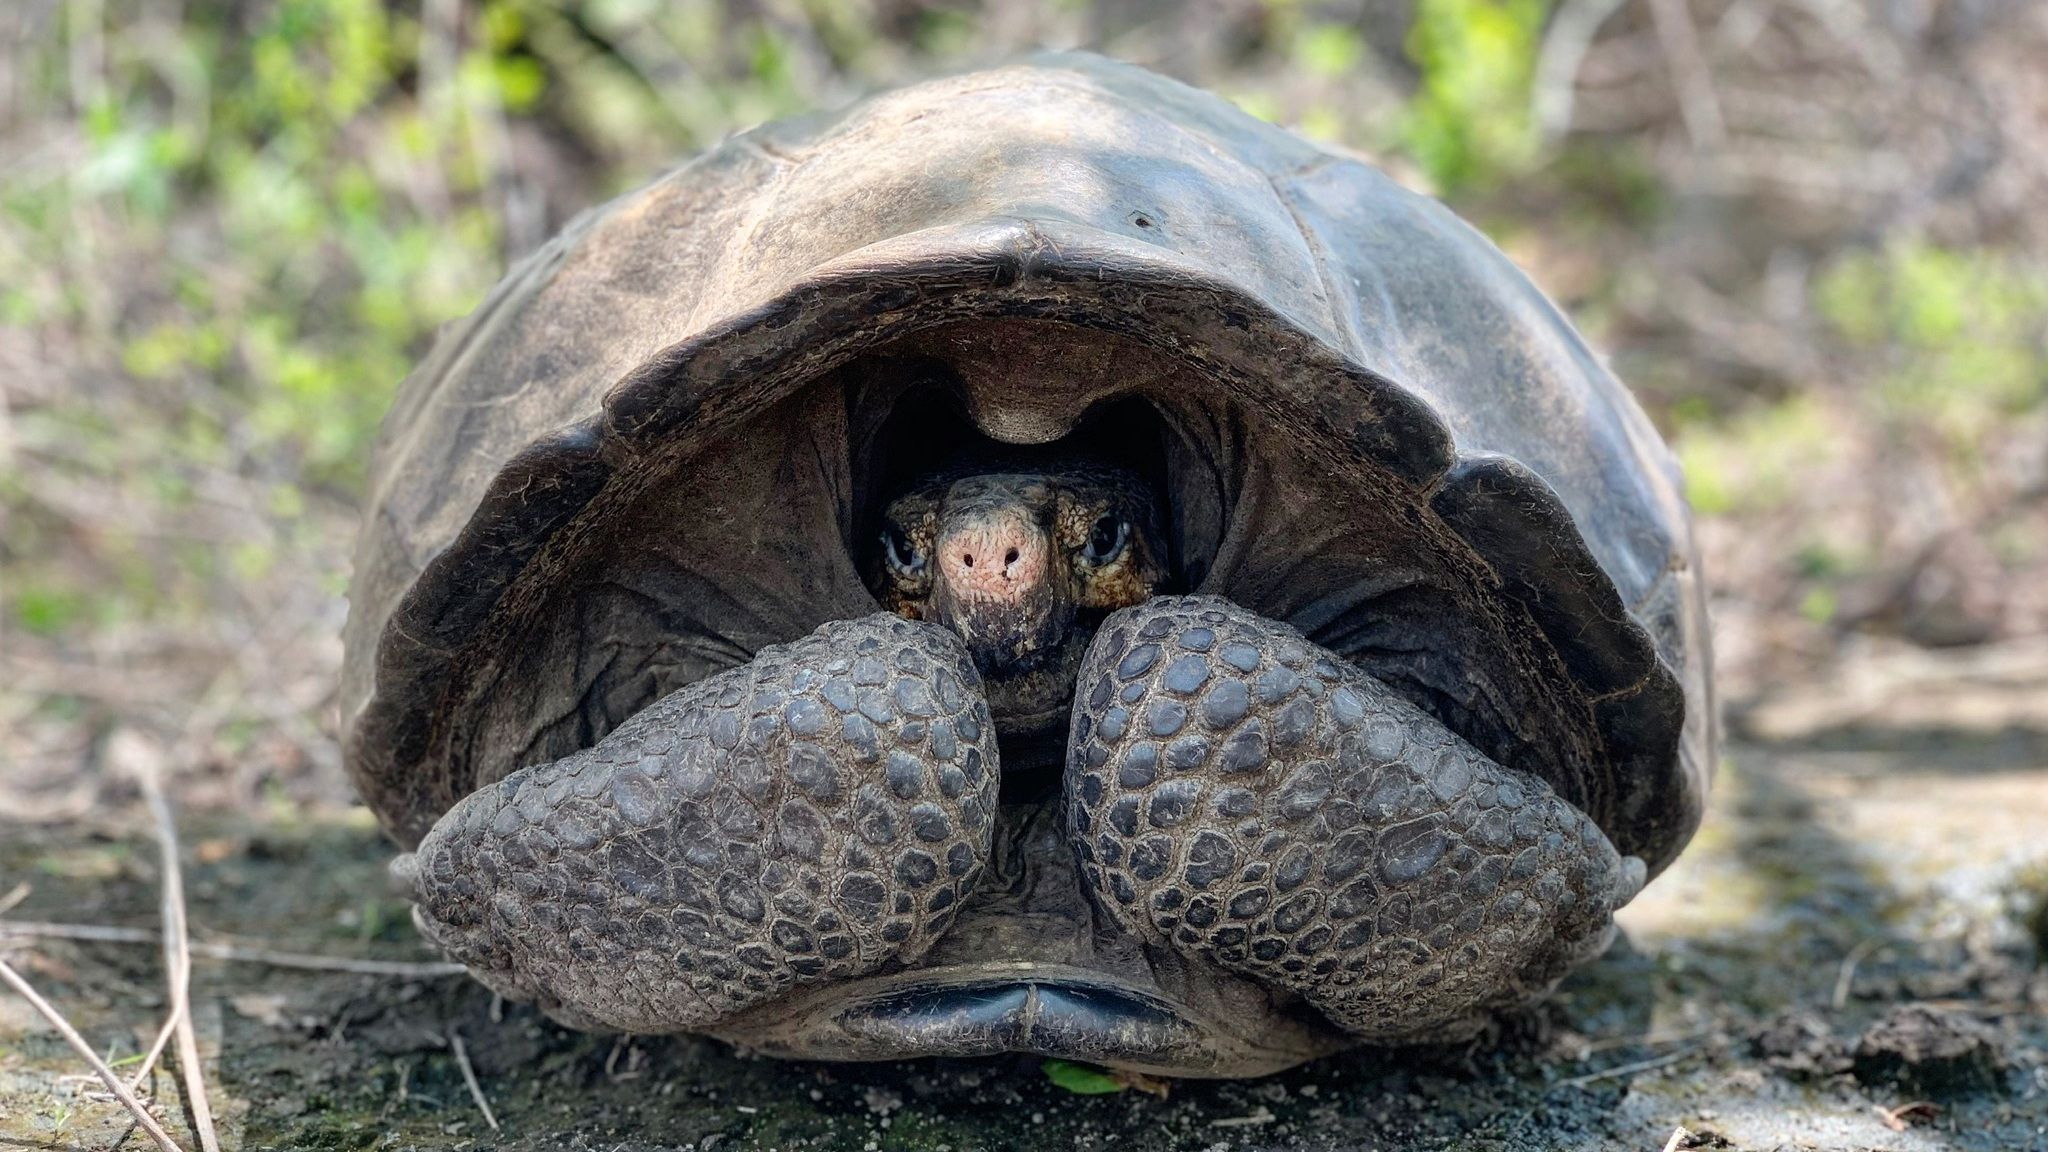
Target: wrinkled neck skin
(1022,560)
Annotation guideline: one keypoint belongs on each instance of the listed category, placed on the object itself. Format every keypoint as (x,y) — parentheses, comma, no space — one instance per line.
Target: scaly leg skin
(1239,794)
(805,817)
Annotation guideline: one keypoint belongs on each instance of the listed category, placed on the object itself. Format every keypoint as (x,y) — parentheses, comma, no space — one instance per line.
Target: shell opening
(721,546)
(939,422)
(931,427)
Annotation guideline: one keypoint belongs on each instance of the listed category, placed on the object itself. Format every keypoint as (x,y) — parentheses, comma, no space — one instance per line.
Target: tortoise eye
(1106,541)
(902,556)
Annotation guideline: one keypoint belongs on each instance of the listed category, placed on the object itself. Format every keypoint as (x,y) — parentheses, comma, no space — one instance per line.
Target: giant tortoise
(1039,561)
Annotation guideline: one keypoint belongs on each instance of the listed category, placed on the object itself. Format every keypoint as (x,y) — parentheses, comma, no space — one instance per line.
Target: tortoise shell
(657,445)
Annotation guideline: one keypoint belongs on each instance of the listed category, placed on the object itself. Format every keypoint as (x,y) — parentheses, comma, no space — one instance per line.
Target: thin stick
(476,1090)
(178,958)
(1557,64)
(1678,1137)
(1895,1118)
(14,897)
(155,1049)
(1698,106)
(117,934)
(1845,976)
(1626,1069)
(195,1084)
(140,760)
(1653,1040)
(14,980)
(164,1035)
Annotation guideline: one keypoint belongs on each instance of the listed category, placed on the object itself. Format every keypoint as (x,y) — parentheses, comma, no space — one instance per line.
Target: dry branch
(1630,1069)
(156,1132)
(1845,976)
(1557,64)
(118,934)
(1698,105)
(177,952)
(476,1090)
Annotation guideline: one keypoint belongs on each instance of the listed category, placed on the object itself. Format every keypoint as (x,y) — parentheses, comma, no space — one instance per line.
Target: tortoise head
(1022,560)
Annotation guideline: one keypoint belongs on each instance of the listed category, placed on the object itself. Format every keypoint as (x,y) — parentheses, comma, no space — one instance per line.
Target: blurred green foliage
(1962,334)
(1933,354)
(1938,342)
(1755,460)
(350,216)
(237,230)
(347,155)
(1470,122)
(255,219)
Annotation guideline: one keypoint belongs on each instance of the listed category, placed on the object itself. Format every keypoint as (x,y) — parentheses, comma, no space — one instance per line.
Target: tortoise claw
(402,876)
(1628,883)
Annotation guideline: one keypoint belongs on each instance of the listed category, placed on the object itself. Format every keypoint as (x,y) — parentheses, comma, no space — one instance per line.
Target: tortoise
(1040,561)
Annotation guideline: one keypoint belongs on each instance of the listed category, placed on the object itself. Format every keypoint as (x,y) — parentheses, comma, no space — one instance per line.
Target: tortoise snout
(999,560)
(997,589)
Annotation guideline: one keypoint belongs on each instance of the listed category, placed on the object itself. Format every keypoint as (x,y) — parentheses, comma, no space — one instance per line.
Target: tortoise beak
(998,588)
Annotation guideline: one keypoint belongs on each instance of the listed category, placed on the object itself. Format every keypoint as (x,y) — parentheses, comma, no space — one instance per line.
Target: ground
(1837,878)
(1807,233)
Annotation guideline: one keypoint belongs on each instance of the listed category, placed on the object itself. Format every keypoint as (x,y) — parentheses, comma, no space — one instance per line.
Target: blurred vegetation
(297,195)
(1469,122)
(227,229)
(1959,333)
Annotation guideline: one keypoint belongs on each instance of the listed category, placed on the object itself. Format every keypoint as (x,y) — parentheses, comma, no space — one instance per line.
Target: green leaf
(1082,1079)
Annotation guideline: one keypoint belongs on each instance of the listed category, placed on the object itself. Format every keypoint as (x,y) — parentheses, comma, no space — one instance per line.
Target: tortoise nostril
(989,560)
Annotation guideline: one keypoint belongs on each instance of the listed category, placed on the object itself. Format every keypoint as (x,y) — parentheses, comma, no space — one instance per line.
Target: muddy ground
(1836,881)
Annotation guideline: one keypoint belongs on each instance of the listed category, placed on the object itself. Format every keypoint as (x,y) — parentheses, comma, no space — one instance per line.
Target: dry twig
(14,897)
(1557,65)
(1896,1118)
(177,956)
(118,934)
(1651,1040)
(1845,978)
(633,1056)
(1698,105)
(476,1090)
(156,1132)
(1627,1069)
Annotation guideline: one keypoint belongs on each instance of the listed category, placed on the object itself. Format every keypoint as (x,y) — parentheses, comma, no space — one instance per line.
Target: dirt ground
(1839,879)
(1809,234)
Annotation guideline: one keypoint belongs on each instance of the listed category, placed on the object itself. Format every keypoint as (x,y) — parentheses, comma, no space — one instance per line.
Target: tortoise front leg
(805,817)
(1239,794)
